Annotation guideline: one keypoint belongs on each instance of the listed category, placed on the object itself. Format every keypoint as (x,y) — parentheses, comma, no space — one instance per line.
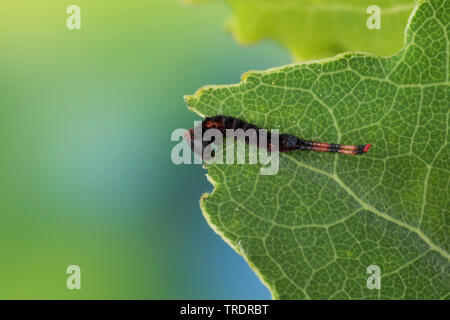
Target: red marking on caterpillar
(287,142)
(367,147)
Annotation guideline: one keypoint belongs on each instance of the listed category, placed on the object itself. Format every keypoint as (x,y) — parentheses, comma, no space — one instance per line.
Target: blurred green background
(85,171)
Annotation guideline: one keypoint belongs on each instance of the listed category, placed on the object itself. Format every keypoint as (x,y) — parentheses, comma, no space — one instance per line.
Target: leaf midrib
(372,209)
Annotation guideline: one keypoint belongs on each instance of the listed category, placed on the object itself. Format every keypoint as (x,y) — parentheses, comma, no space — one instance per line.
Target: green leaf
(313,29)
(312,230)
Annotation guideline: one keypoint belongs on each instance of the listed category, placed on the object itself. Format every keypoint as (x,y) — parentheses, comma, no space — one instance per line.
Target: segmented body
(287,142)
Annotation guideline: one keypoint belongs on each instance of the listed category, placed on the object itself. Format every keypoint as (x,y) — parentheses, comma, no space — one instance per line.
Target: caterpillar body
(287,142)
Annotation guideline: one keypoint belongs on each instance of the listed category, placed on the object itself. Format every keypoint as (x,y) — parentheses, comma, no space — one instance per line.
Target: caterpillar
(287,142)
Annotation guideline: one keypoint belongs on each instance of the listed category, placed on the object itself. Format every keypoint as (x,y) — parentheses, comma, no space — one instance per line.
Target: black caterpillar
(287,142)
